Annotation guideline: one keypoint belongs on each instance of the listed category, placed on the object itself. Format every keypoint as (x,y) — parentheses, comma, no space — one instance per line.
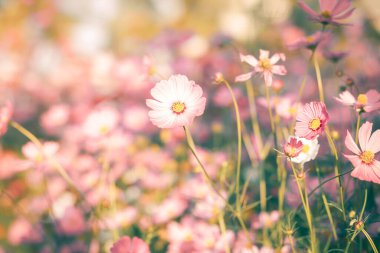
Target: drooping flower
(331,11)
(127,245)
(6,113)
(301,150)
(366,167)
(264,65)
(310,42)
(311,120)
(177,101)
(368,102)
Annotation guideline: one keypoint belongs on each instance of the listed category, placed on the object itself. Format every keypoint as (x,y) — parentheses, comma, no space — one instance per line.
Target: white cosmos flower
(309,151)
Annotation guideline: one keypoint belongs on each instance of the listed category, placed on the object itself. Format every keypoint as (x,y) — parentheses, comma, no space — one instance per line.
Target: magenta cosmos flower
(177,101)
(311,120)
(368,102)
(331,11)
(264,65)
(366,167)
(293,147)
(127,245)
(6,113)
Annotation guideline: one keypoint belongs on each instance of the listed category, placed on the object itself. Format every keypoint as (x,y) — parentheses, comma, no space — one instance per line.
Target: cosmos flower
(101,122)
(310,42)
(264,65)
(6,113)
(368,102)
(331,11)
(366,167)
(127,245)
(293,147)
(177,101)
(311,120)
(301,150)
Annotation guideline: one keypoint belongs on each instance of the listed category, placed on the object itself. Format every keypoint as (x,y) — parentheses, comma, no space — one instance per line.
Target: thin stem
(306,208)
(222,226)
(370,241)
(239,147)
(252,109)
(269,108)
(190,144)
(364,204)
(319,79)
(357,128)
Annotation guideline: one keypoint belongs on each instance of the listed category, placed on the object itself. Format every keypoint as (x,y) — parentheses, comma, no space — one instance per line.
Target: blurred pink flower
(331,11)
(368,102)
(366,167)
(6,112)
(36,154)
(267,220)
(55,118)
(72,222)
(21,231)
(309,42)
(264,65)
(169,209)
(127,245)
(311,120)
(177,101)
(101,122)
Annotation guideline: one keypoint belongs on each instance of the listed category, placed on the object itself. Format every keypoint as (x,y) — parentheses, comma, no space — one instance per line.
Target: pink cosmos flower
(127,245)
(311,120)
(264,65)
(6,113)
(368,102)
(101,122)
(331,11)
(177,101)
(309,42)
(293,147)
(367,168)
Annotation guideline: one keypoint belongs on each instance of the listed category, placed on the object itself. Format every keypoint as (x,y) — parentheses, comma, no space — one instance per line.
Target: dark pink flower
(293,147)
(311,120)
(127,245)
(331,11)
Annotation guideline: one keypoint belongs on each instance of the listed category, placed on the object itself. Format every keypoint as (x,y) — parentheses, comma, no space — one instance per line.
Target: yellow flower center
(362,99)
(309,39)
(326,14)
(265,64)
(305,148)
(314,124)
(178,107)
(104,129)
(367,157)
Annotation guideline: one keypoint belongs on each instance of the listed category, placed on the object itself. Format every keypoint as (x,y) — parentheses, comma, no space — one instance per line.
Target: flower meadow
(176,126)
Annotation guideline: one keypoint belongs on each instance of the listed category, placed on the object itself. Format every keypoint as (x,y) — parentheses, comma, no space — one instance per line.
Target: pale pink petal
(327,5)
(344,14)
(307,9)
(351,145)
(279,70)
(251,60)
(374,142)
(373,96)
(268,78)
(244,77)
(364,134)
(346,98)
(264,54)
(354,159)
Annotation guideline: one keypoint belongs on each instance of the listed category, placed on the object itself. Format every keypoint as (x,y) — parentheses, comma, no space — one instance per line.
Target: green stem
(269,108)
(239,148)
(364,204)
(191,145)
(319,79)
(252,109)
(357,128)
(370,241)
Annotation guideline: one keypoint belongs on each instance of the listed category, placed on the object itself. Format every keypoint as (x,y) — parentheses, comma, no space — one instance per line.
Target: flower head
(6,113)
(367,102)
(127,245)
(301,150)
(264,65)
(331,11)
(366,167)
(311,41)
(311,120)
(176,102)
